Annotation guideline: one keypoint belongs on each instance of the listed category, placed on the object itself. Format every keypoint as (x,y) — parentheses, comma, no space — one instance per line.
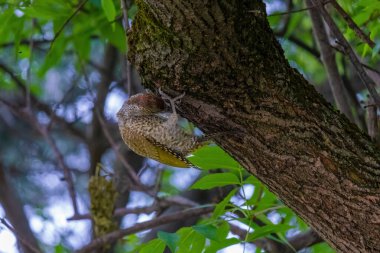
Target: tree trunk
(224,55)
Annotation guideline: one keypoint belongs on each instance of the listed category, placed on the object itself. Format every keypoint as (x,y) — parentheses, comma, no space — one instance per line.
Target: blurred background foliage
(63,72)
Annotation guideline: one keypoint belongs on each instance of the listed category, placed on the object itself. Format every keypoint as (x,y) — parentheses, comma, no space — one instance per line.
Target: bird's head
(141,104)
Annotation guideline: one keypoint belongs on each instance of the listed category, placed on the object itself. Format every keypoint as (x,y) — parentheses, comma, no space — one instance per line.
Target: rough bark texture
(236,78)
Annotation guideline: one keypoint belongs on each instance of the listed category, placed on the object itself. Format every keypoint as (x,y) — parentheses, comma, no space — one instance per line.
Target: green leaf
(49,9)
(7,17)
(256,196)
(109,9)
(214,180)
(267,230)
(223,230)
(366,49)
(294,24)
(54,55)
(220,208)
(190,241)
(171,239)
(322,248)
(301,224)
(132,11)
(252,180)
(213,157)
(156,246)
(215,246)
(36,89)
(60,249)
(6,83)
(207,230)
(115,36)
(82,40)
(23,51)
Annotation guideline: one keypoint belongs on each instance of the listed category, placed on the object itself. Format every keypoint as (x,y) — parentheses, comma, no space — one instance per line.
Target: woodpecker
(152,135)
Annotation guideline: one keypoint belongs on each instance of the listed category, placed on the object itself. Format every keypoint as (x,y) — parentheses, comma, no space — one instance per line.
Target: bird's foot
(171,100)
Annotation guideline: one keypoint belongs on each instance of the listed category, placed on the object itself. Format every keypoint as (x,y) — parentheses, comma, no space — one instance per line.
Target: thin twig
(315,52)
(127,65)
(294,11)
(373,128)
(27,115)
(40,105)
(124,9)
(67,21)
(359,32)
(19,237)
(66,171)
(114,236)
(286,20)
(156,206)
(29,70)
(349,52)
(25,42)
(288,12)
(114,146)
(119,212)
(329,62)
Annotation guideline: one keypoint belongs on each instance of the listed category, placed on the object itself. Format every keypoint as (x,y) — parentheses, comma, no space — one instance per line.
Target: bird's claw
(171,100)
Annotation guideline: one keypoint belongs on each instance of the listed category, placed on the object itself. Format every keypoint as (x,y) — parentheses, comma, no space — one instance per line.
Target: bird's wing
(150,148)
(169,156)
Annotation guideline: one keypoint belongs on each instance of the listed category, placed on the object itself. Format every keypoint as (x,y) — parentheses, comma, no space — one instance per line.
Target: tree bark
(224,55)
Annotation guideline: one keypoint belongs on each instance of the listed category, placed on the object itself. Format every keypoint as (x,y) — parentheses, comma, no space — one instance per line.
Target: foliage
(248,200)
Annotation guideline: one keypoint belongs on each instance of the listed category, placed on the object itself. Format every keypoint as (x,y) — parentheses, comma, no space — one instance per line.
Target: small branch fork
(127,65)
(365,38)
(352,24)
(67,21)
(370,85)
(40,105)
(19,237)
(26,113)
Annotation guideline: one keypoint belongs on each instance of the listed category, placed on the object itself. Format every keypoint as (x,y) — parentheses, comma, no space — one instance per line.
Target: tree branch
(329,62)
(372,120)
(42,106)
(158,205)
(352,24)
(80,6)
(131,172)
(349,52)
(127,65)
(14,211)
(28,247)
(295,243)
(97,143)
(43,130)
(114,236)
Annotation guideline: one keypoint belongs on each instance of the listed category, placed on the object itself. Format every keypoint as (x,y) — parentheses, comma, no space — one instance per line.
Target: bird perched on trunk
(150,134)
